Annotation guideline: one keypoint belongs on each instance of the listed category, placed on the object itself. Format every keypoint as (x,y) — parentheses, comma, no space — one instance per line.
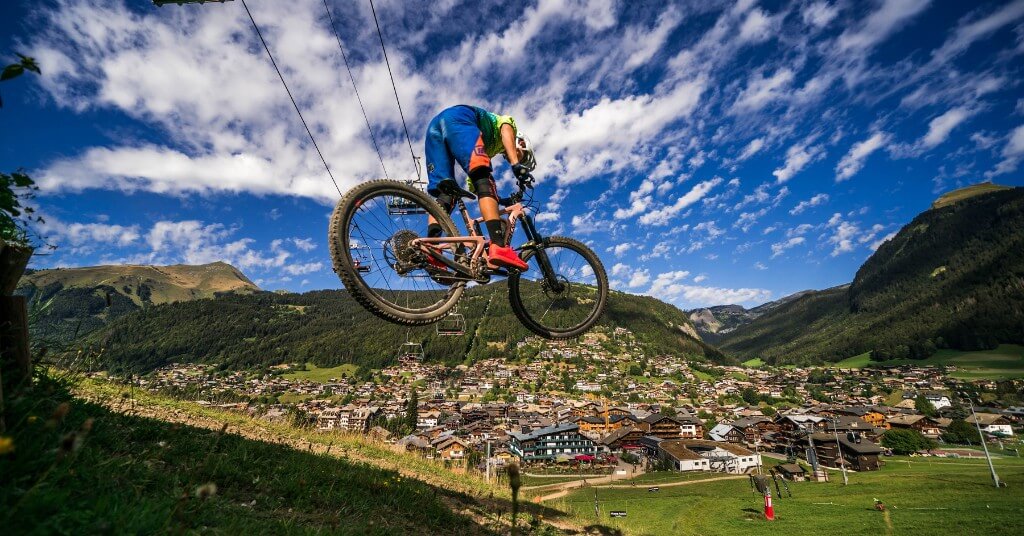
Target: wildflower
(58,414)
(206,491)
(32,419)
(6,445)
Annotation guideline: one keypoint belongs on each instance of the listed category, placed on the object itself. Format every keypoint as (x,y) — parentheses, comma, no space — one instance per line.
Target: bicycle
(561,295)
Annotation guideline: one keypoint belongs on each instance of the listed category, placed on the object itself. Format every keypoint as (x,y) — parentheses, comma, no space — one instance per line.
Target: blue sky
(711,152)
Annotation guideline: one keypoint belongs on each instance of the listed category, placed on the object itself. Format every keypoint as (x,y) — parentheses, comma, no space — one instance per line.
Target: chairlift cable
(356,89)
(408,139)
(285,84)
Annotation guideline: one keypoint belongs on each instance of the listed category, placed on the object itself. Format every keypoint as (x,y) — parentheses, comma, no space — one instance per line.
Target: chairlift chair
(400,206)
(452,324)
(410,351)
(361,259)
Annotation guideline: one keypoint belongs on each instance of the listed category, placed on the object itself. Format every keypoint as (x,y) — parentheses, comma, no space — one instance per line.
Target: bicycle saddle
(453,189)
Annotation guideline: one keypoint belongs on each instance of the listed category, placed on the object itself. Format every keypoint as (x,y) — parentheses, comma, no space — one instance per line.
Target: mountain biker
(471,136)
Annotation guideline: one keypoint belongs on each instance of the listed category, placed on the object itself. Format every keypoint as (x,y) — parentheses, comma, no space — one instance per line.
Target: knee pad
(483,185)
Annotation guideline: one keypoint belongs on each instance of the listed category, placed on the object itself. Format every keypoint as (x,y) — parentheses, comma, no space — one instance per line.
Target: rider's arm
(508,140)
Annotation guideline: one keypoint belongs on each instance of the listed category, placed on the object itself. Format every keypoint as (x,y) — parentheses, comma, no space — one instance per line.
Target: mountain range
(147,316)
(951,278)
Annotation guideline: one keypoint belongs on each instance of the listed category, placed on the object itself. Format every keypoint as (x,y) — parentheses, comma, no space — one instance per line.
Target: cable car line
(285,84)
(395,88)
(358,98)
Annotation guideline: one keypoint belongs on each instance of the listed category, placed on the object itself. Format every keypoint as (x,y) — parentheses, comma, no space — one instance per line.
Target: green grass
(753,363)
(322,375)
(130,474)
(949,198)
(924,496)
(701,375)
(1006,361)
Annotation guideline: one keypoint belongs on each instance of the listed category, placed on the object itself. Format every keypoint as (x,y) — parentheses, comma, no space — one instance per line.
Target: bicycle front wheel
(371,235)
(566,301)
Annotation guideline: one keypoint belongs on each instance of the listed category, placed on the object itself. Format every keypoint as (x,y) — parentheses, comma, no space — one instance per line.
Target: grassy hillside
(960,194)
(951,278)
(1006,361)
(73,301)
(134,463)
(328,328)
(924,496)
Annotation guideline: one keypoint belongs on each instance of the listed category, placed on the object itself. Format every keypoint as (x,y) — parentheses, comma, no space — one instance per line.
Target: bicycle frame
(516,212)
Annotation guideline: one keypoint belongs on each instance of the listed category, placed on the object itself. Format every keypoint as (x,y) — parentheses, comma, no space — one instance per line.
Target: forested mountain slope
(329,328)
(953,277)
(70,301)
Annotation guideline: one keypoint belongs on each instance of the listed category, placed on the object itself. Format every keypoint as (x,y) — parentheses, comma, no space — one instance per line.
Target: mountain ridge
(952,277)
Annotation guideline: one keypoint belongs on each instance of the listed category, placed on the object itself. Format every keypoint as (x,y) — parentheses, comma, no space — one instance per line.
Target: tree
(635,370)
(668,411)
(922,405)
(961,432)
(905,441)
(412,410)
(749,395)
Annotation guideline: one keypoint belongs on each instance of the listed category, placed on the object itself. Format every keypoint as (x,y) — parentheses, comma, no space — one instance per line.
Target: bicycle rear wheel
(369,236)
(570,305)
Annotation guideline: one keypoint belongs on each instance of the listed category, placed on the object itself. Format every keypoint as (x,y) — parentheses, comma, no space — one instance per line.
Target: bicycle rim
(569,308)
(371,230)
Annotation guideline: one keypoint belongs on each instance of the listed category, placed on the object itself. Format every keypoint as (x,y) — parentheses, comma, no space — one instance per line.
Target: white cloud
(859,152)
(761,91)
(1012,153)
(880,24)
(819,14)
(88,235)
(665,280)
(662,215)
(305,244)
(940,127)
(797,158)
(780,247)
(756,27)
(760,266)
(818,199)
(799,230)
(701,296)
(303,268)
(621,249)
(751,149)
(700,278)
(639,278)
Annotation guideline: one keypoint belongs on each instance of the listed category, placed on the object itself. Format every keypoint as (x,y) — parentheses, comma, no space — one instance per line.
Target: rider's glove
(523,175)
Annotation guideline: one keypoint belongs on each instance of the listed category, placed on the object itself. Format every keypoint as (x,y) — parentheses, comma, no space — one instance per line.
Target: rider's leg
(440,167)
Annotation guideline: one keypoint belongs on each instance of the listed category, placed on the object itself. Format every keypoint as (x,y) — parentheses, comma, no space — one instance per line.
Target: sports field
(923,496)
(1006,361)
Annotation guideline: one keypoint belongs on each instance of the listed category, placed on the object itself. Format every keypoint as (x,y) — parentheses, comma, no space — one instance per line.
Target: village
(599,400)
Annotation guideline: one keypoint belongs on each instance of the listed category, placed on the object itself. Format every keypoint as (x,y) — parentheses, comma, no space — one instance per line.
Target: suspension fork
(538,242)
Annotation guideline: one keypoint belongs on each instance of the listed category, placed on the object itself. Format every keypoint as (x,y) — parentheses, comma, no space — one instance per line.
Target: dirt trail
(570,486)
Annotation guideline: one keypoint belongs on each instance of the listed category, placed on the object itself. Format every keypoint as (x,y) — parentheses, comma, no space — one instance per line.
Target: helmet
(527,160)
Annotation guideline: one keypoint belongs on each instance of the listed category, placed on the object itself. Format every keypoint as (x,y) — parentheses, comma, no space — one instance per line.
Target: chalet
(857,454)
(450,447)
(869,415)
(928,426)
(701,455)
(596,426)
(726,432)
(548,443)
(627,437)
(753,428)
(992,423)
(791,471)
(666,427)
